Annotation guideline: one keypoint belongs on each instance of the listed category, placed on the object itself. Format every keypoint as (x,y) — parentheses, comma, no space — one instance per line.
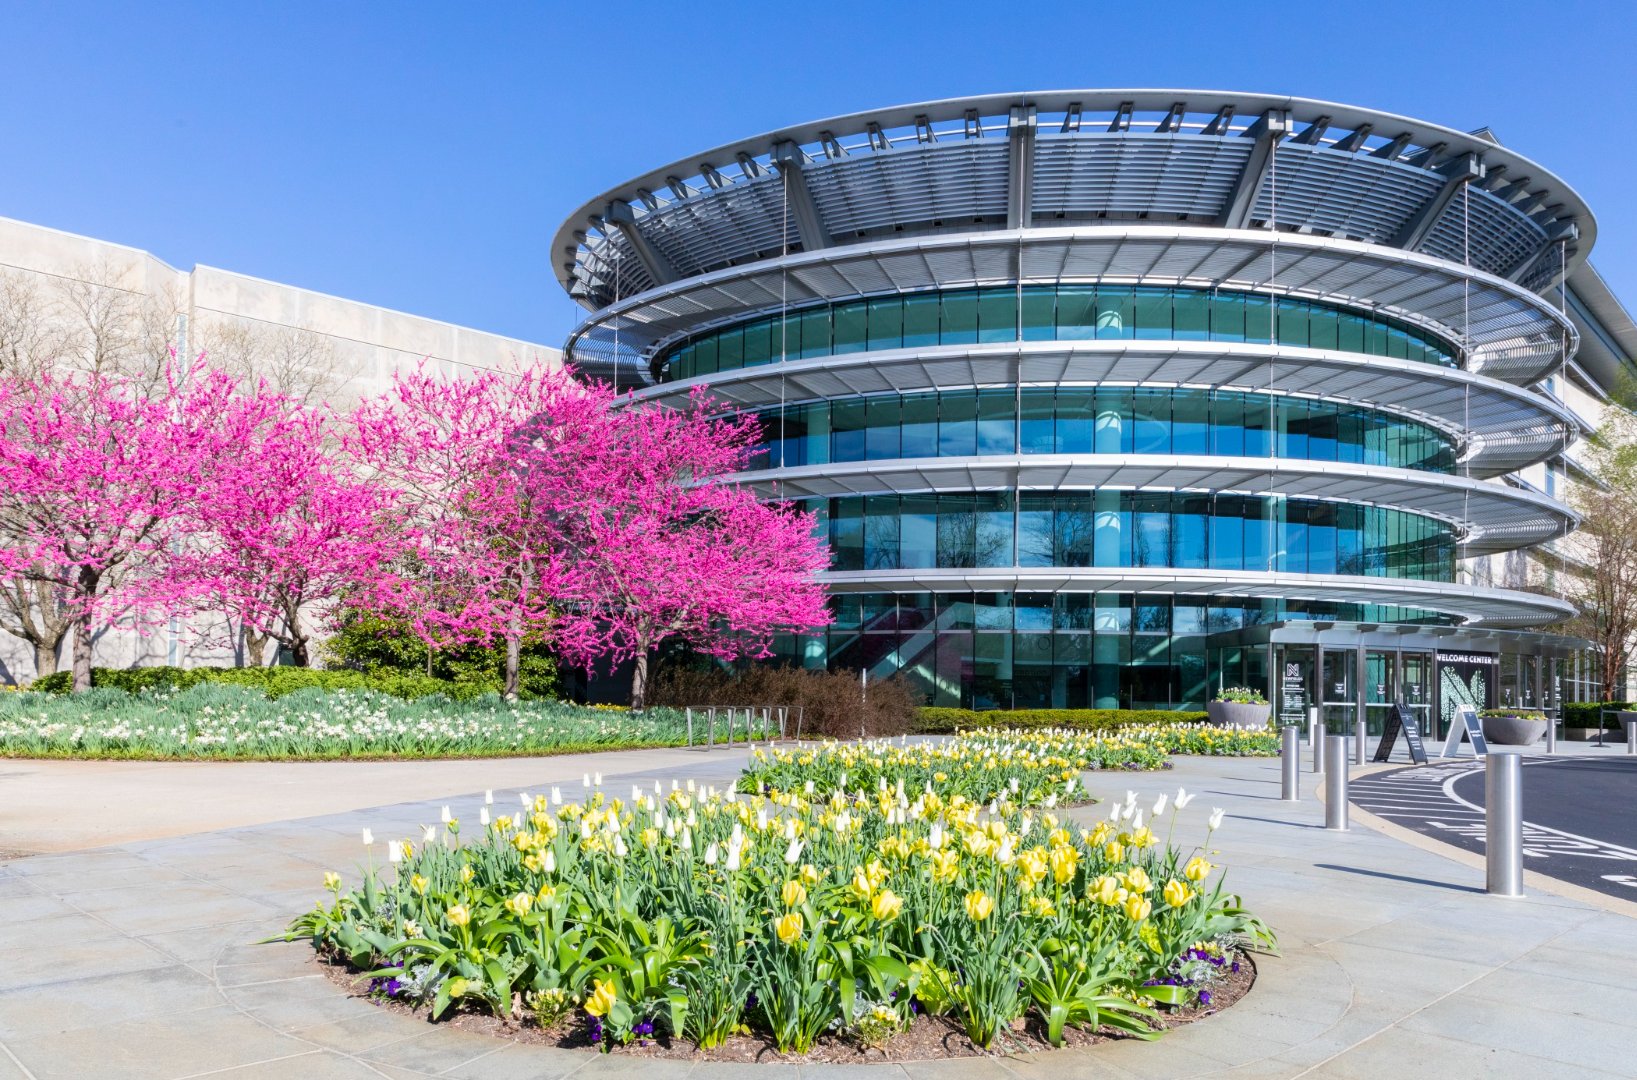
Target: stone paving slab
(138,960)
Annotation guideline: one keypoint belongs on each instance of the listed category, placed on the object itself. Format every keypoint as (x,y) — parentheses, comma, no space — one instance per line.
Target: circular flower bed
(698,915)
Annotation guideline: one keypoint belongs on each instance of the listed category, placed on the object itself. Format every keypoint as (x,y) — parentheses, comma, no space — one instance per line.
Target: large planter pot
(1237,714)
(1514,730)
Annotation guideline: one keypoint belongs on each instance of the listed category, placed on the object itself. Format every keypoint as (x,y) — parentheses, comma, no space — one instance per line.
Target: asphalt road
(1580,814)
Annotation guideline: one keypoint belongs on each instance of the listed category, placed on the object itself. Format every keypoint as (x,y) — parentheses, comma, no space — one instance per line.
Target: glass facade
(1110,528)
(1093,420)
(1048,313)
(1050,650)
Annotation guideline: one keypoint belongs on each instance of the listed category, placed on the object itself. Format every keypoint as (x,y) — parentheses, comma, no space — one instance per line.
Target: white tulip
(1216,819)
(936,838)
(807,788)
(556,796)
(489,798)
(1159,804)
(691,787)
(1183,798)
(369,838)
(523,797)
(712,853)
(549,863)
(636,793)
(843,820)
(790,829)
(597,779)
(732,864)
(430,836)
(658,790)
(447,816)
(395,851)
(620,850)
(517,821)
(687,838)
(1136,820)
(585,779)
(1004,856)
(483,816)
(1012,783)
(761,820)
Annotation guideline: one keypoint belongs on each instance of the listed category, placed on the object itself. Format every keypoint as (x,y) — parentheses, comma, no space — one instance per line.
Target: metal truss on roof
(1488,518)
(1500,427)
(1085,156)
(1509,333)
(1479,606)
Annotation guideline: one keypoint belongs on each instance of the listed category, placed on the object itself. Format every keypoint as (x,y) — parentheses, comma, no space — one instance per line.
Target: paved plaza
(137,959)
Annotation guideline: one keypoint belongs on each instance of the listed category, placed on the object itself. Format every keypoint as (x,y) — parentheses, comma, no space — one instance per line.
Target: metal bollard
(1315,736)
(1335,782)
(1290,764)
(690,725)
(1551,735)
(710,743)
(1631,737)
(1361,733)
(1503,822)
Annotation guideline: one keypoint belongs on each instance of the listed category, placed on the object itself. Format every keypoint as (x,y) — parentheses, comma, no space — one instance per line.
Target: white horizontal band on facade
(1489,518)
(1513,335)
(1504,427)
(1480,606)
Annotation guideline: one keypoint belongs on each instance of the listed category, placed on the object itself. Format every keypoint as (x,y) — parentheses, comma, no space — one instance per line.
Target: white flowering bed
(233,722)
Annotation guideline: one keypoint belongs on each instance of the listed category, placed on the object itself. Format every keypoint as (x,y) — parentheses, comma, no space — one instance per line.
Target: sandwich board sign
(1466,723)
(1401,720)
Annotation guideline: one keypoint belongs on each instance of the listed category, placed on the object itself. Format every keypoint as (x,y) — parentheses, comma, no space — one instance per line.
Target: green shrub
(832,703)
(380,646)
(275,682)
(941,721)
(1588,714)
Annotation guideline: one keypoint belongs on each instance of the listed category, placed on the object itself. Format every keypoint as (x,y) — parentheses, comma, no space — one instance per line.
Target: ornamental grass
(697,915)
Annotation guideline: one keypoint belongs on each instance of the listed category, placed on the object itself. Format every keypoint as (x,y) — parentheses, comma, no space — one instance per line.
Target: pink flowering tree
(284,532)
(649,543)
(100,479)
(468,566)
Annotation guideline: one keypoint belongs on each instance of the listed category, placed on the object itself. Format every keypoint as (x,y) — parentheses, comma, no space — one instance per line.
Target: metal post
(1315,736)
(767,721)
(711,743)
(784,715)
(1631,735)
(1335,782)
(731,712)
(1290,764)
(690,725)
(1503,822)
(1361,696)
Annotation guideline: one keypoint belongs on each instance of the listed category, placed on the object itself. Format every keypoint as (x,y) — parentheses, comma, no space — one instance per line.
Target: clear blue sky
(420,155)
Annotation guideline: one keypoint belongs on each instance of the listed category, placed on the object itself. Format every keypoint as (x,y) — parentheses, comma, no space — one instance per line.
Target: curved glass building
(1106,398)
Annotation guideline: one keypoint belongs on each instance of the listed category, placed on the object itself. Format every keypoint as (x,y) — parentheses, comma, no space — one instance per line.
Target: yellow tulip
(602,998)
(1065,861)
(794,894)
(1176,893)
(419,884)
(1138,907)
(809,874)
(1102,890)
(978,905)
(1143,837)
(1197,869)
(1114,851)
(886,905)
(332,881)
(520,904)
(788,927)
(465,873)
(459,915)
(946,864)
(1137,880)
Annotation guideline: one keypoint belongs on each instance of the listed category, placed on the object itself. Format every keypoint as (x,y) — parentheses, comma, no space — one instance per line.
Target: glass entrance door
(1415,679)
(1380,688)
(1337,690)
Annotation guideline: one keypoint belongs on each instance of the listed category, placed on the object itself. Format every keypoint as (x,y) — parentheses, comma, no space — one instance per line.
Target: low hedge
(936,721)
(275,682)
(1588,714)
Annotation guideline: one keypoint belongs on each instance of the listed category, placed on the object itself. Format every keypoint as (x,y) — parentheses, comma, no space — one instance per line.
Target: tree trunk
(45,658)
(639,682)
(88,580)
(514,648)
(255,647)
(298,651)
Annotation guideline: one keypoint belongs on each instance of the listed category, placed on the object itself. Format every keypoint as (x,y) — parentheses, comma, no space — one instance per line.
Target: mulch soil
(928,1038)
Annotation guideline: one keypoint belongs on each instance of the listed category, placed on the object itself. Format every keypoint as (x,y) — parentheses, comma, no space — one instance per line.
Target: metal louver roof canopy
(1489,518)
(1478,605)
(1039,158)
(1512,334)
(1503,427)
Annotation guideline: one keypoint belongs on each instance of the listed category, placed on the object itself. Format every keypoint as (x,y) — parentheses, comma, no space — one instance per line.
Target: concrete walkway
(134,960)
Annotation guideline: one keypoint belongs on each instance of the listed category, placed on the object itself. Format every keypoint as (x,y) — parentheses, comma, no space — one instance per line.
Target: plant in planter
(1238,706)
(1513,726)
